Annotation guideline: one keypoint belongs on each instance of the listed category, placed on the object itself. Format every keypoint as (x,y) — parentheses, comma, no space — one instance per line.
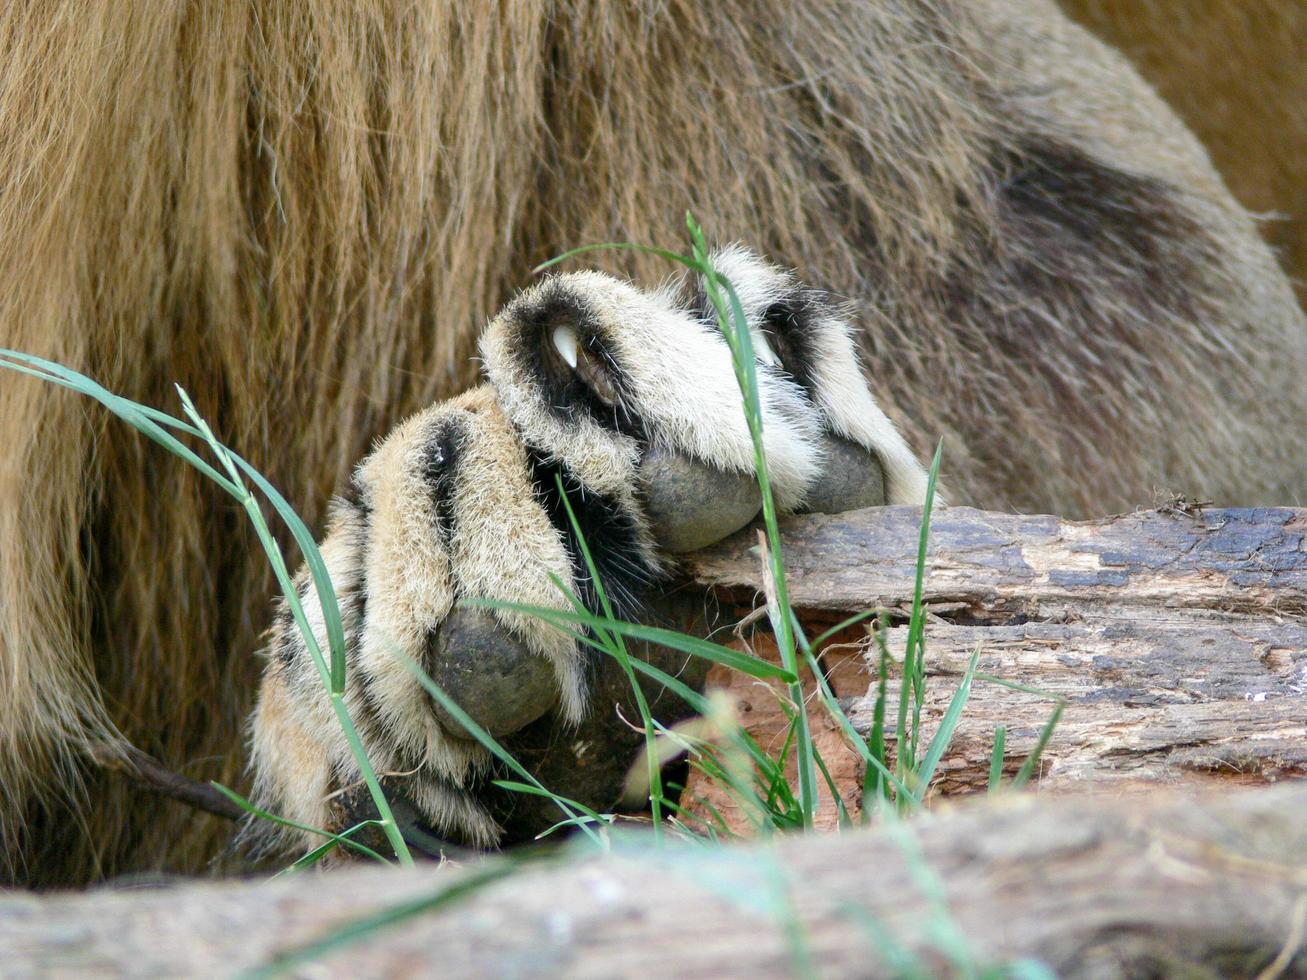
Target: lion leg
(445,511)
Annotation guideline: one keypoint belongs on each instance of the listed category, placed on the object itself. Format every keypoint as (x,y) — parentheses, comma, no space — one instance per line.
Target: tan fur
(410,564)
(414,573)
(503,546)
(1236,73)
(293,772)
(303,211)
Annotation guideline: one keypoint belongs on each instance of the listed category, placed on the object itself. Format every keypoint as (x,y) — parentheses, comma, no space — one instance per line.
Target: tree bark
(1177,639)
(1004,568)
(1213,885)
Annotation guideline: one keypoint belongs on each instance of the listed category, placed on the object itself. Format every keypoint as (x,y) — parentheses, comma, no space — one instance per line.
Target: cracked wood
(1178,641)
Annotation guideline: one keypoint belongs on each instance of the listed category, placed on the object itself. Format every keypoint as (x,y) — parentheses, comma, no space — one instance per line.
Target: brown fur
(303,210)
(1236,73)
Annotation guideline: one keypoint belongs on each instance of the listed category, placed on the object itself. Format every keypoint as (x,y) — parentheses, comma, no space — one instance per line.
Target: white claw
(565,341)
(761,349)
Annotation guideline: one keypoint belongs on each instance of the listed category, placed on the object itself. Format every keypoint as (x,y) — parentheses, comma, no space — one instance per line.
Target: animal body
(304,213)
(1234,73)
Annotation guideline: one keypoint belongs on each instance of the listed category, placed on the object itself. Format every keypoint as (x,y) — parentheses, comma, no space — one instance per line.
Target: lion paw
(609,410)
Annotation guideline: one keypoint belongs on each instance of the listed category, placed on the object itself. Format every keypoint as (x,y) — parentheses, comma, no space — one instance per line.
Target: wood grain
(1178,641)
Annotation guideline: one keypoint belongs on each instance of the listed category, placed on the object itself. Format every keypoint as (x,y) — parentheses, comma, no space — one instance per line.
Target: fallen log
(1222,563)
(1161,886)
(1177,638)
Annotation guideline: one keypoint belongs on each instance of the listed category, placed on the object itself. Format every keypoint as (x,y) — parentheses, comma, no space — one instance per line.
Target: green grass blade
(1026,969)
(125,409)
(903,964)
(938,923)
(939,743)
(322,850)
(291,594)
(299,531)
(832,705)
(697,702)
(841,810)
(572,253)
(875,788)
(734,326)
(336,839)
(701,706)
(488,741)
(317,570)
(1028,767)
(996,759)
(154,424)
(339,937)
(817,641)
(734,659)
(303,537)
(914,673)
(578,821)
(584,812)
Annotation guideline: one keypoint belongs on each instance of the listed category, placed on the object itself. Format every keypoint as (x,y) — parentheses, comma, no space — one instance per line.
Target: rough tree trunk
(1161,886)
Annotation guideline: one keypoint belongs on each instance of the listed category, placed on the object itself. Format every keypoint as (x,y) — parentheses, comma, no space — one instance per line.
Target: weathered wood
(1003,568)
(1145,704)
(1162,886)
(1179,641)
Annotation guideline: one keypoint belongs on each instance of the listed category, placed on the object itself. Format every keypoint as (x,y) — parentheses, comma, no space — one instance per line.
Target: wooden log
(1221,564)
(1160,886)
(1178,638)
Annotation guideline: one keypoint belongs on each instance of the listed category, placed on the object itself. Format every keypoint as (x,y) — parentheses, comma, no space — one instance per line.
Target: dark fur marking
(1068,228)
(1061,205)
(354,496)
(564,390)
(286,634)
(440,462)
(439,471)
(610,534)
(788,325)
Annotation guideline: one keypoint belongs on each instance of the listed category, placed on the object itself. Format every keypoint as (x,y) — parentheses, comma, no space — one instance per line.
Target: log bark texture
(1162,886)
(1179,643)
(1177,638)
